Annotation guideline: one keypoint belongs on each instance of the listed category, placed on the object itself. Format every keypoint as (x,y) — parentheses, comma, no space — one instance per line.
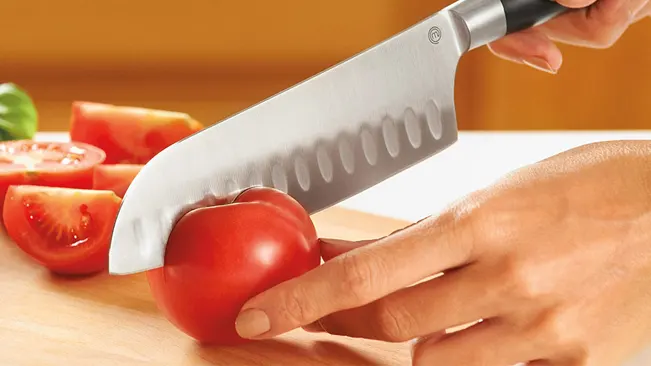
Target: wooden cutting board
(47,320)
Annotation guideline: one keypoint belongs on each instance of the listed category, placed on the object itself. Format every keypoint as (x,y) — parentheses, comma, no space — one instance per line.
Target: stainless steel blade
(322,141)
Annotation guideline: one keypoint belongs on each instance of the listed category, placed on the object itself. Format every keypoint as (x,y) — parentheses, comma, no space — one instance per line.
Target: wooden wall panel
(595,89)
(211,58)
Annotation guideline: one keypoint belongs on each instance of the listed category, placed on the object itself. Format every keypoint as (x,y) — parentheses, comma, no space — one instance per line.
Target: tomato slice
(66,230)
(116,178)
(129,135)
(56,164)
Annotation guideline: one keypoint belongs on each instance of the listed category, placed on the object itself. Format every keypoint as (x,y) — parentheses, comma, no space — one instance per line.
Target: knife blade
(327,138)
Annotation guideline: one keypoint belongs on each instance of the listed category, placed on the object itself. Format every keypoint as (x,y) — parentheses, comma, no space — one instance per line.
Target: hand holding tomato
(554,261)
(219,257)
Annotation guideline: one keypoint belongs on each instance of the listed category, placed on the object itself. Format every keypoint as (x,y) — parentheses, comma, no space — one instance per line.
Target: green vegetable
(18,115)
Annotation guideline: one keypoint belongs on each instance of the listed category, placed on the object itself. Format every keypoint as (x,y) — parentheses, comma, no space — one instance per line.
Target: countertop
(102,320)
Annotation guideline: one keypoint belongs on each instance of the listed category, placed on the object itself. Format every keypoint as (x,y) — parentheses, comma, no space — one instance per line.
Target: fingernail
(252,323)
(539,64)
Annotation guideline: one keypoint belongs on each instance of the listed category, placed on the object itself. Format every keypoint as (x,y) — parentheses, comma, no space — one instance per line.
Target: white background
(476,160)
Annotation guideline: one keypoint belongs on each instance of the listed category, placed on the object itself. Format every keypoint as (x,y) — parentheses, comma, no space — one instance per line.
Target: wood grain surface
(104,320)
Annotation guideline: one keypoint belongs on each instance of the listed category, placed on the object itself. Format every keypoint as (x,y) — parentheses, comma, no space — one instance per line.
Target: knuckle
(603,32)
(520,283)
(394,323)
(556,332)
(357,279)
(461,229)
(496,223)
(604,38)
(494,226)
(298,309)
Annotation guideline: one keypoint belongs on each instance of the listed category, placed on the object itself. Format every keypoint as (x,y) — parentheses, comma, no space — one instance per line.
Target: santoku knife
(327,138)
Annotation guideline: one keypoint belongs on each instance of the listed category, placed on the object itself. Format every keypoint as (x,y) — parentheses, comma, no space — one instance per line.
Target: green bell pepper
(18,115)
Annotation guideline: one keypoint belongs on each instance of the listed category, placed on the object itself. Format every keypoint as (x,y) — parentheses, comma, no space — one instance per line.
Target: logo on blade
(434,35)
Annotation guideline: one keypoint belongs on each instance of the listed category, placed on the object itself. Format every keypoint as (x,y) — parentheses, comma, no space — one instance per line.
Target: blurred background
(212,58)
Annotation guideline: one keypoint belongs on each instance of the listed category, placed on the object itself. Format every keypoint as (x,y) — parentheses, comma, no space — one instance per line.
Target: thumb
(331,248)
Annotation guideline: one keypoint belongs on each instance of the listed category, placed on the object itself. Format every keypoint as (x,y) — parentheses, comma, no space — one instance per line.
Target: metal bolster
(484,19)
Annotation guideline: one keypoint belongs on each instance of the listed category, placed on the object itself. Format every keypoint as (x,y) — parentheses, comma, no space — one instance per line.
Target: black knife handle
(524,14)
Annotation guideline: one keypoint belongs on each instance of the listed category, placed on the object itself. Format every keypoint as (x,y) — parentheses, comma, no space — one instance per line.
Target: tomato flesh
(64,229)
(129,135)
(116,178)
(54,164)
(44,224)
(219,257)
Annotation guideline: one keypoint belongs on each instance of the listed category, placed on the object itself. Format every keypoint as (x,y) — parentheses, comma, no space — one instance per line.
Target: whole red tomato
(219,257)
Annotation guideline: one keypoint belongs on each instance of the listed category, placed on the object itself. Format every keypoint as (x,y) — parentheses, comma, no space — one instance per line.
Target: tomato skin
(89,257)
(129,135)
(51,174)
(116,177)
(219,257)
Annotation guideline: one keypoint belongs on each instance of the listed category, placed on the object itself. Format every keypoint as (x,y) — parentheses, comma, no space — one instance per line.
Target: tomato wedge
(56,164)
(66,230)
(129,135)
(116,178)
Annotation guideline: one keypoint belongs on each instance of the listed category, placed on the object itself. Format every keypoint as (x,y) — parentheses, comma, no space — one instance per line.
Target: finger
(331,248)
(530,47)
(455,299)
(359,277)
(491,342)
(645,12)
(597,26)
